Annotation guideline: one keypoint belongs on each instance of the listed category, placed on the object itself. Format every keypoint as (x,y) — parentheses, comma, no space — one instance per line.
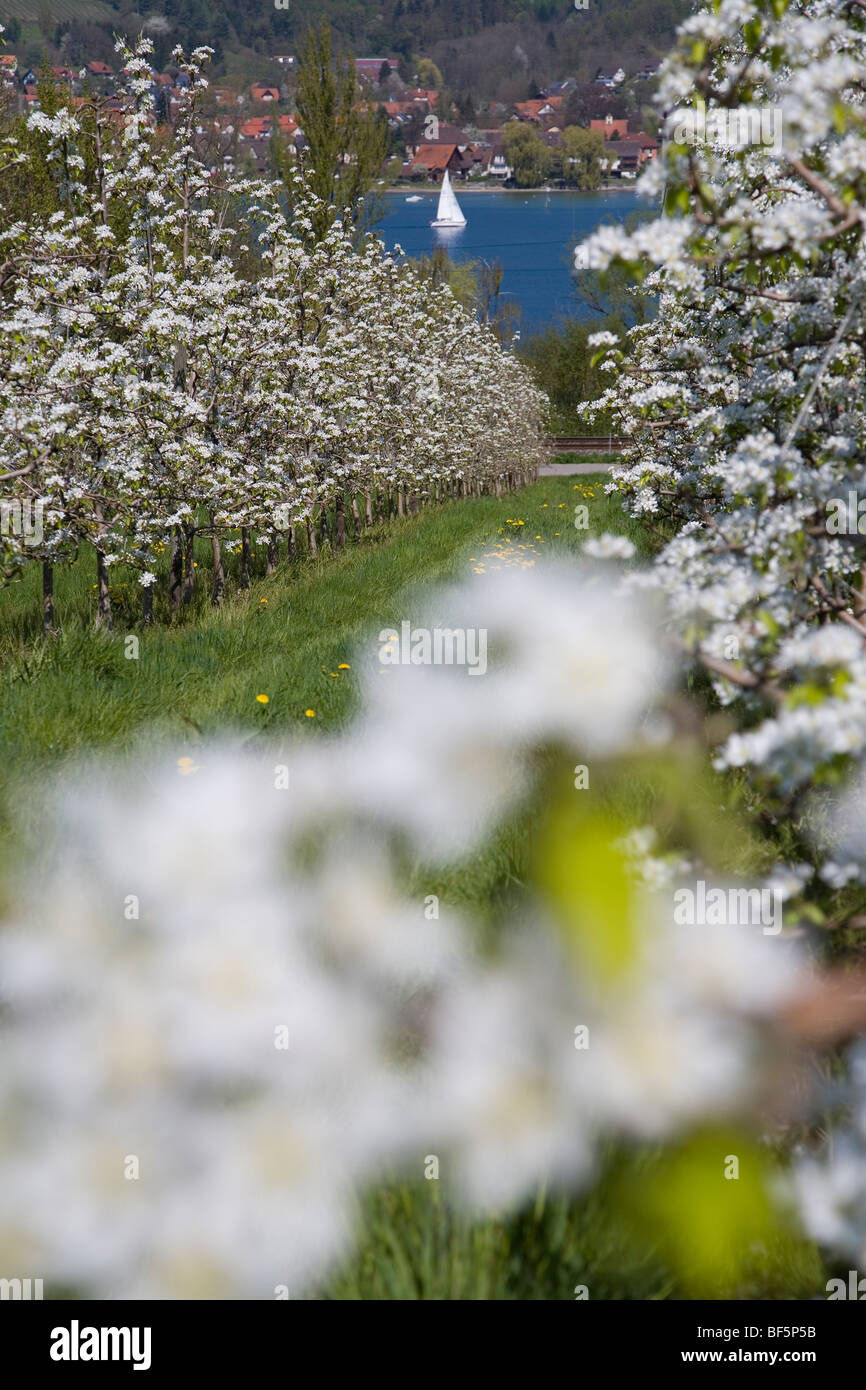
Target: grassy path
(283,637)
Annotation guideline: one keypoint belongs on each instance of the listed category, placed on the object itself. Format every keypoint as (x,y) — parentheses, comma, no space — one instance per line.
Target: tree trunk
(324,533)
(47,597)
(356,518)
(189,564)
(147,605)
(340,521)
(245,557)
(219,574)
(103,597)
(401,510)
(273,554)
(291,540)
(368,509)
(380,507)
(176,579)
(311,536)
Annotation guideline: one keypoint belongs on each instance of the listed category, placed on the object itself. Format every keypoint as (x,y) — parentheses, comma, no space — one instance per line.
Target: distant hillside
(491,49)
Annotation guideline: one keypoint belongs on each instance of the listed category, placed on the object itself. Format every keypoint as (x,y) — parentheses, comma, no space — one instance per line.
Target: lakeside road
(565,470)
(432,189)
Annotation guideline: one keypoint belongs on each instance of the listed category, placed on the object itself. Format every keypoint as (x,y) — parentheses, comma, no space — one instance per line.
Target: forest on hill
(493,49)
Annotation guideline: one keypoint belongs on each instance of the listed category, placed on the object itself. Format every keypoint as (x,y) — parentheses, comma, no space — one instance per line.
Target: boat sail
(450,213)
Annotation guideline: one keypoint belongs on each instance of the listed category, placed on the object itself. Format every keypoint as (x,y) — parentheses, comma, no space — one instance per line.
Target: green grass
(195,675)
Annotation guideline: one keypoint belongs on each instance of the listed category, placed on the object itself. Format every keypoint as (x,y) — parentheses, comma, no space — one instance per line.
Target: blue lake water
(531,234)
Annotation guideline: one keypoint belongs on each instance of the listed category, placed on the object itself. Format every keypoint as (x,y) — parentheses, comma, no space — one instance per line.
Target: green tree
(561,362)
(617,295)
(581,157)
(527,154)
(429,75)
(346,143)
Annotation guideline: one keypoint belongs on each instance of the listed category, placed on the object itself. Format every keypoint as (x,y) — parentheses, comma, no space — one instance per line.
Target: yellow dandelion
(344,666)
(263,699)
(310,713)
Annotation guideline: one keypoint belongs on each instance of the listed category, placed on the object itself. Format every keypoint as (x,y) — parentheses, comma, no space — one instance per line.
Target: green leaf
(752,34)
(709,1226)
(585,882)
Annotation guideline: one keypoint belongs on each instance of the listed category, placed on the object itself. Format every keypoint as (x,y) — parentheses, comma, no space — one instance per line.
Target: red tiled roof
(433,156)
(256,128)
(607,127)
(262,91)
(100,69)
(531,109)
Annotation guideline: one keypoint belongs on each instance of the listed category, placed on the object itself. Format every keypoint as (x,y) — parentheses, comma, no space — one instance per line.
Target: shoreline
(433,190)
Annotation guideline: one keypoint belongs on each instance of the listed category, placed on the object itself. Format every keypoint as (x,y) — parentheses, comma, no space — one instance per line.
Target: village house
(256,128)
(561,89)
(8,67)
(649,145)
(540,111)
(624,157)
(609,126)
(97,71)
(369,68)
(499,167)
(260,91)
(445,134)
(433,160)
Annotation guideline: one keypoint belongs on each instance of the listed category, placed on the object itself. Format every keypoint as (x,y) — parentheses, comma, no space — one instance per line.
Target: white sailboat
(450,213)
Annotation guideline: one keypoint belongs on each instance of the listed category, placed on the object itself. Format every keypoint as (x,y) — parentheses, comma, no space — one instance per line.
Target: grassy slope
(203,672)
(76,692)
